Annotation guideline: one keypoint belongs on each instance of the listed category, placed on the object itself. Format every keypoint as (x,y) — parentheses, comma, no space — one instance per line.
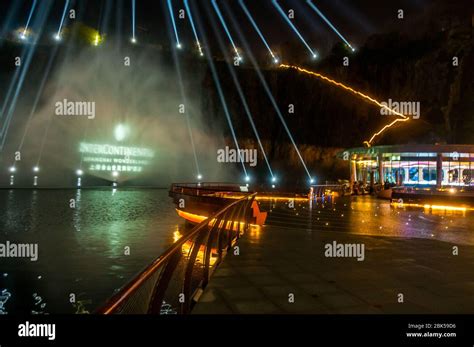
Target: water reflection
(88,250)
(370,216)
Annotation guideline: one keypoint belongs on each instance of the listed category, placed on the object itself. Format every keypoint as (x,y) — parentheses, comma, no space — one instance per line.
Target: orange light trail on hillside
(362,95)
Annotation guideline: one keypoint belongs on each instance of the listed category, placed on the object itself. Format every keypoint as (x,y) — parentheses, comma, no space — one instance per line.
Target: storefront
(412,165)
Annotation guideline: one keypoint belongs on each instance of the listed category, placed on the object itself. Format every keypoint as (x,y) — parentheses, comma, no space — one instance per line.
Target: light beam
(184,100)
(220,92)
(242,98)
(170,8)
(58,35)
(314,54)
(226,29)
(313,6)
(134,40)
(257,29)
(23,36)
(269,93)
(188,10)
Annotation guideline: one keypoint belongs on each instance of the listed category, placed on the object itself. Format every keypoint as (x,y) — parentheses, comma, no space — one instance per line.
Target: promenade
(283,268)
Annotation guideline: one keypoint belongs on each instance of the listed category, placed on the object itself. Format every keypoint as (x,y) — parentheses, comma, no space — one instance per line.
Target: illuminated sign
(112,158)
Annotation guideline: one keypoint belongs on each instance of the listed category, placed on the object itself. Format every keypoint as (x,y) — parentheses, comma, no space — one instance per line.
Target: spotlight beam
(293,27)
(29,17)
(257,29)
(402,118)
(313,6)
(241,95)
(183,97)
(133,20)
(219,91)
(226,29)
(62,19)
(269,94)
(170,8)
(40,21)
(190,16)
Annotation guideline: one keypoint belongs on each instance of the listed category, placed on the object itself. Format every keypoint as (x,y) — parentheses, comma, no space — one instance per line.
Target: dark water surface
(82,249)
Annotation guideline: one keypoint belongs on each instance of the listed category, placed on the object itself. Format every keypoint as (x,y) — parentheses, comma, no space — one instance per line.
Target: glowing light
(170,8)
(313,6)
(36,169)
(188,11)
(97,39)
(273,186)
(121,132)
(293,27)
(133,40)
(247,178)
(276,61)
(452,190)
(12,169)
(79,181)
(179,46)
(115,174)
(226,29)
(274,179)
(311,180)
(79,172)
(176,236)
(364,96)
(57,37)
(196,218)
(433,207)
(199,177)
(281,198)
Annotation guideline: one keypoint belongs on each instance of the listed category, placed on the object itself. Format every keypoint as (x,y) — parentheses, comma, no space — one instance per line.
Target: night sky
(356,20)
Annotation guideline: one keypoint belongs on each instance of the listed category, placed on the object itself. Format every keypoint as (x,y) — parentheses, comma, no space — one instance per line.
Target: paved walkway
(278,261)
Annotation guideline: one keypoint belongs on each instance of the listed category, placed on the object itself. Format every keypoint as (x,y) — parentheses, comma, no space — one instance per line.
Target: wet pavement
(284,267)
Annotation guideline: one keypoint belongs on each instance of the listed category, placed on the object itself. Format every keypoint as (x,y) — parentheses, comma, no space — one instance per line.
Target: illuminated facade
(412,165)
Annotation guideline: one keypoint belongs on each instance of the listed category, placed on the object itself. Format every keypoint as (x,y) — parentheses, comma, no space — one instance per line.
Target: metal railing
(173,283)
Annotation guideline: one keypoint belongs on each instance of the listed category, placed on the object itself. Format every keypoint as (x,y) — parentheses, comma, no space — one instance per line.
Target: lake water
(82,249)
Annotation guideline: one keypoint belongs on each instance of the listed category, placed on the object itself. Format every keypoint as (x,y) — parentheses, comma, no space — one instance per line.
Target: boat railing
(173,282)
